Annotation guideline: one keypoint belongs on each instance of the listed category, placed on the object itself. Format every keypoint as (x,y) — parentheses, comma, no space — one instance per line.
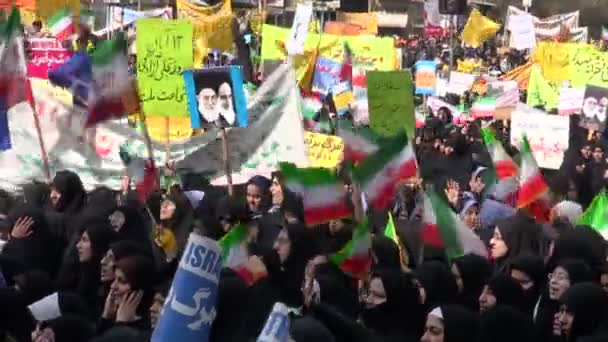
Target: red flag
(149,182)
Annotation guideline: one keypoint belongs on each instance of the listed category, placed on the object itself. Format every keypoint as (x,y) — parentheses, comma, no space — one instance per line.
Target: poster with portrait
(216,97)
(595,104)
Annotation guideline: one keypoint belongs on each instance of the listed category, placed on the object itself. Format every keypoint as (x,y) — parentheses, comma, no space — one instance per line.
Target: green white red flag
(323,193)
(533,190)
(355,259)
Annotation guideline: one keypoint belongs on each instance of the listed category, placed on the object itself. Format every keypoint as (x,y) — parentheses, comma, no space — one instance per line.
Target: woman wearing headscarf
(36,194)
(471,273)
(233,299)
(32,244)
(437,284)
(393,307)
(451,323)
(67,328)
(92,246)
(582,312)
(385,253)
(514,236)
(564,275)
(174,225)
(130,225)
(131,294)
(259,198)
(505,324)
(501,290)
(582,243)
(529,272)
(285,264)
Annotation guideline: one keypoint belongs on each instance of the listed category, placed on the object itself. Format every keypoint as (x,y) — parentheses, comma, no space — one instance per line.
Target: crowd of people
(97,265)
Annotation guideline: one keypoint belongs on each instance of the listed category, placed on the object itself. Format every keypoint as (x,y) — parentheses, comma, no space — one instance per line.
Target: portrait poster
(594,108)
(216,97)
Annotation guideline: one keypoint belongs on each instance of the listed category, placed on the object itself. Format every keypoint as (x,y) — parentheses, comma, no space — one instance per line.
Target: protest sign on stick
(391,102)
(595,104)
(164,52)
(190,306)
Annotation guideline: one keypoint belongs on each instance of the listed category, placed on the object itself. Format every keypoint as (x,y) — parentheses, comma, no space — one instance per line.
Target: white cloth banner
(570,101)
(460,82)
(299,29)
(522,32)
(548,135)
(546,28)
(275,134)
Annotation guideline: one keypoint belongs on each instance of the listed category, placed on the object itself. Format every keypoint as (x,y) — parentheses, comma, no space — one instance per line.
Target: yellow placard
(554,61)
(370,52)
(588,65)
(324,150)
(46,8)
(212,27)
(179,128)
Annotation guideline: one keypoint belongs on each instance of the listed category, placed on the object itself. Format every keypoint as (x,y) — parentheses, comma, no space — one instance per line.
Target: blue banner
(426,77)
(276,328)
(327,74)
(190,306)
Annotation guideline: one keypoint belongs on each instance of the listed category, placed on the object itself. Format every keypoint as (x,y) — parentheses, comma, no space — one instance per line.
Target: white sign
(299,29)
(570,101)
(522,32)
(460,82)
(548,135)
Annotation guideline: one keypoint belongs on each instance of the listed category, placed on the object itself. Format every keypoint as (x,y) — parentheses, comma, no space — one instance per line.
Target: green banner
(164,50)
(391,102)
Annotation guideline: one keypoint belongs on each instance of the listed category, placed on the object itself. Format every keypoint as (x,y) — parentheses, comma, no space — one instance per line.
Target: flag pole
(226,160)
(167,140)
(43,154)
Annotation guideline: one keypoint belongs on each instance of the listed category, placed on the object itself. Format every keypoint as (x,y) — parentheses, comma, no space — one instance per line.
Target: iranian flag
(355,259)
(323,194)
(61,24)
(505,169)
(595,216)
(14,84)
(358,143)
(484,107)
(441,228)
(533,190)
(235,256)
(381,172)
(391,232)
(114,91)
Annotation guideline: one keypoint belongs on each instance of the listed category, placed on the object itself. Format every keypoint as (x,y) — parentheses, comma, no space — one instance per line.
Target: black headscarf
(141,274)
(308,329)
(73,195)
(504,324)
(582,243)
(534,267)
(522,235)
(134,227)
(34,285)
(40,250)
(438,283)
(578,270)
(36,194)
(588,303)
(507,291)
(385,253)
(232,303)
(459,324)
(402,315)
(474,271)
(71,328)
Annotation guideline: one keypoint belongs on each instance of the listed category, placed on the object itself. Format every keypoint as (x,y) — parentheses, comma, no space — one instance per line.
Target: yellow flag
(478,29)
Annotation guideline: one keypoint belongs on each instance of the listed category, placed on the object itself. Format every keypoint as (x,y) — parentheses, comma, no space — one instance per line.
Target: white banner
(274,134)
(299,29)
(548,135)
(522,32)
(546,28)
(460,82)
(570,101)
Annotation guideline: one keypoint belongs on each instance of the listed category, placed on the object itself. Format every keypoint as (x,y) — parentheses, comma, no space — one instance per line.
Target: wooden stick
(146,134)
(167,140)
(43,154)
(226,160)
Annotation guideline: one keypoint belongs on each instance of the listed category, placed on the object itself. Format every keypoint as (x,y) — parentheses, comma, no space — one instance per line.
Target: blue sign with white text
(189,309)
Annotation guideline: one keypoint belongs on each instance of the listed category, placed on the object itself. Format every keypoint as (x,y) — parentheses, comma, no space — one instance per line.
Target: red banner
(45,54)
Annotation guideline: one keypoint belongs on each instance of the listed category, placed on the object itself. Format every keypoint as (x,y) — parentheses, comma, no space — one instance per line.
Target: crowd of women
(97,266)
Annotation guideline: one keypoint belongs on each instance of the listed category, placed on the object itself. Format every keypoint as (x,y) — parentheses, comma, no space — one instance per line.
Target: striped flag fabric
(505,170)
(391,232)
(381,172)
(484,107)
(441,228)
(323,193)
(359,143)
(533,190)
(354,258)
(235,256)
(346,71)
(114,90)
(61,24)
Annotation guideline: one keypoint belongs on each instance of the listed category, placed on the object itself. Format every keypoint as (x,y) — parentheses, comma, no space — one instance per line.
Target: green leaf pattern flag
(164,50)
